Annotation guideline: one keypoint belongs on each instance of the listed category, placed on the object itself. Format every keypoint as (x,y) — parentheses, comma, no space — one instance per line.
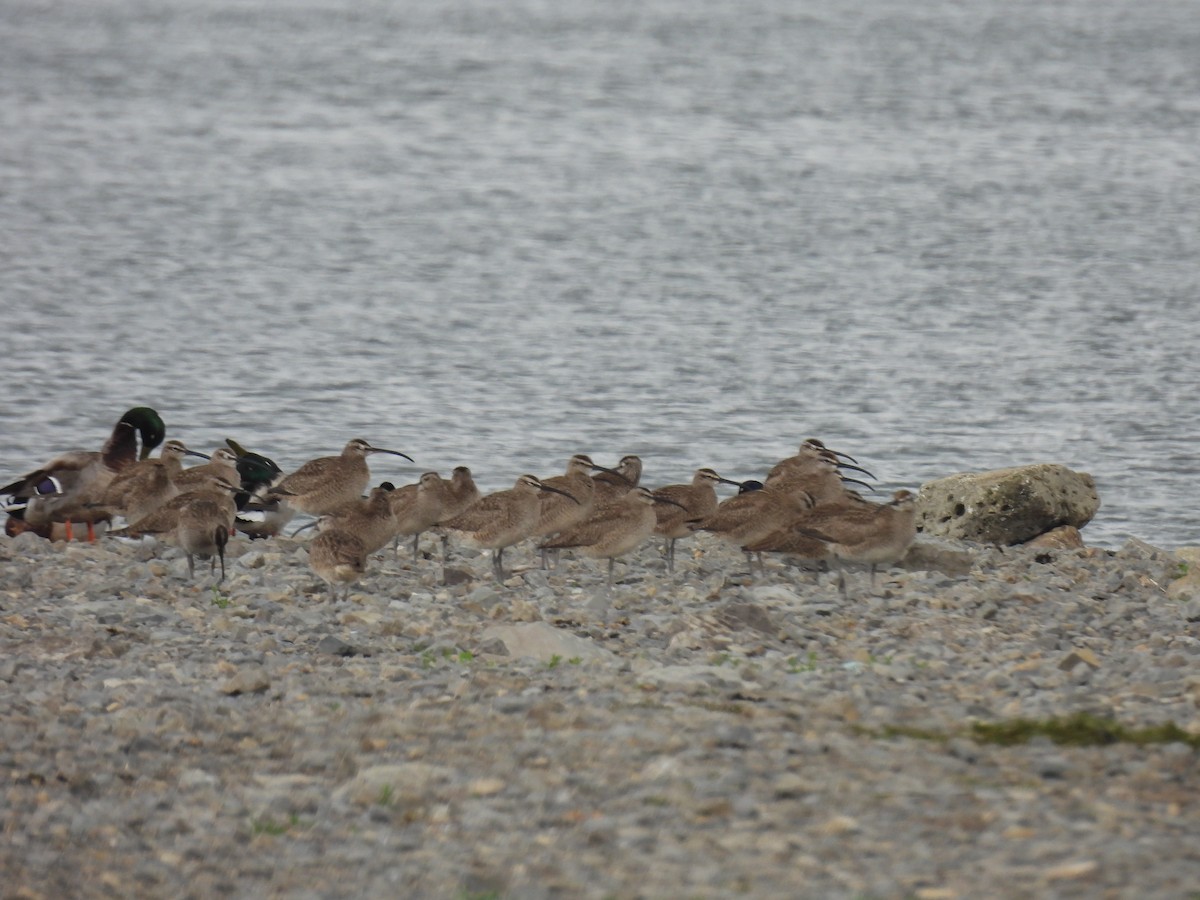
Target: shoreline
(703,734)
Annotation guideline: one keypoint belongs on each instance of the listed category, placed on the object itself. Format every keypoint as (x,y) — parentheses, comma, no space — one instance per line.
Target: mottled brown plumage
(338,558)
(696,500)
(614,530)
(370,519)
(203,531)
(147,484)
(612,484)
(501,519)
(221,464)
(859,532)
(323,485)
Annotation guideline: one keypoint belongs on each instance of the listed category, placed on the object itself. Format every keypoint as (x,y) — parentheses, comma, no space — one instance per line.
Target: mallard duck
(258,516)
(68,488)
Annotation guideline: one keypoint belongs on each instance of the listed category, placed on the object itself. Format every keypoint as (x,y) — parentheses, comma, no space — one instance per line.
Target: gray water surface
(943,236)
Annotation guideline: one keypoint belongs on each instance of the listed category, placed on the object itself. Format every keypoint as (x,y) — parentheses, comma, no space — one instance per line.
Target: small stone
(485,787)
(452,577)
(1053,767)
(933,555)
(542,641)
(1081,655)
(790,785)
(255,559)
(1186,588)
(192,779)
(248,680)
(1077,869)
(386,785)
(1065,537)
(839,825)
(335,646)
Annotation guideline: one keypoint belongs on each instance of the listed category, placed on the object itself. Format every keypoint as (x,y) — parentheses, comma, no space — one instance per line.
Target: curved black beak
(312,524)
(855,469)
(393,452)
(729,481)
(554,490)
(599,468)
(869,487)
(187,452)
(658,498)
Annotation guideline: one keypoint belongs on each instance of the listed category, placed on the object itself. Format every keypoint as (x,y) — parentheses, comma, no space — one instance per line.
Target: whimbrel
(190,520)
(463,494)
(418,507)
(337,557)
(863,532)
(147,484)
(808,460)
(613,530)
(752,515)
(820,478)
(696,500)
(809,449)
(502,519)
(370,519)
(561,511)
(460,495)
(68,488)
(612,484)
(223,463)
(321,485)
(165,519)
(203,531)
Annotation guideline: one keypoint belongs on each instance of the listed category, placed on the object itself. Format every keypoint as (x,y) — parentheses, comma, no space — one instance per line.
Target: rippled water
(943,236)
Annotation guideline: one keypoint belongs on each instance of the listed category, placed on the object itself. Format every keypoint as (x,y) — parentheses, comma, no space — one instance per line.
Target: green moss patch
(1080,730)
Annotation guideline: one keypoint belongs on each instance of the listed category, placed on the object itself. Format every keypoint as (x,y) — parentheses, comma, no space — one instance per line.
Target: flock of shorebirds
(804,507)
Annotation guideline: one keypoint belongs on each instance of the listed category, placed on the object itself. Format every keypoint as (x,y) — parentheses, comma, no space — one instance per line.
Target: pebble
(707,733)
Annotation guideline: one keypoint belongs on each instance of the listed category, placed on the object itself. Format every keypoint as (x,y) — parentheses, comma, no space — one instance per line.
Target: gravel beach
(702,734)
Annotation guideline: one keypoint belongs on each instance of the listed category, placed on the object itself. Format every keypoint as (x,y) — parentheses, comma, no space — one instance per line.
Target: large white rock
(1007,506)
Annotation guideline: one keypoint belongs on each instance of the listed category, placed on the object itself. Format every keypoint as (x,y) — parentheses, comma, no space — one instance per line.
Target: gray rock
(544,642)
(1007,506)
(388,785)
(248,680)
(335,646)
(932,555)
(692,677)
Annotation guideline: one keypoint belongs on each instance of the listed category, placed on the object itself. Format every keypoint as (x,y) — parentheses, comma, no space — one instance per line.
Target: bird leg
(842,581)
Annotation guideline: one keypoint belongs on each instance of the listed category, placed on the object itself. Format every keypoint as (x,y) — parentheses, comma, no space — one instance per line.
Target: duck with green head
(68,488)
(258,516)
